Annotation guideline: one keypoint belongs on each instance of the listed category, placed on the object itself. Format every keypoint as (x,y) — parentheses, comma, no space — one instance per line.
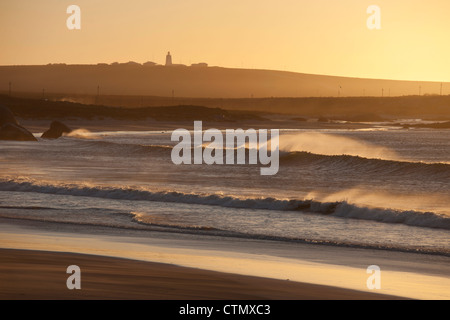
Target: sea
(382,187)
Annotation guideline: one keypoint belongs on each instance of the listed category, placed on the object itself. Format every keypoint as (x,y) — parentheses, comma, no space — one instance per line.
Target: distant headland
(199,81)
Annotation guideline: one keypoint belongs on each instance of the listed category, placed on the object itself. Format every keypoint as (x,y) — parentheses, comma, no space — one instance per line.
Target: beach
(29,274)
(348,199)
(178,266)
(218,150)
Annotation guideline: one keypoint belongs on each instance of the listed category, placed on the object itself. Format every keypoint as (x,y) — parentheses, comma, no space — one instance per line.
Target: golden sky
(310,36)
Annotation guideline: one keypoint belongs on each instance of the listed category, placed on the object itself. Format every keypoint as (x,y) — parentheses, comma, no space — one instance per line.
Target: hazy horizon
(297,36)
(213,66)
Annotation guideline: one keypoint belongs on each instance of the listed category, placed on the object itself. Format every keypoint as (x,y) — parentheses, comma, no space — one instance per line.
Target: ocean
(382,188)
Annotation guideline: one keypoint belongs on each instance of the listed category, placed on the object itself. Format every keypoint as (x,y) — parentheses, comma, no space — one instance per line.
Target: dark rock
(6,116)
(15,132)
(10,128)
(57,129)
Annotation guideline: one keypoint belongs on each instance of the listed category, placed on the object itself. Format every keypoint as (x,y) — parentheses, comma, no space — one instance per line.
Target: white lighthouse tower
(168,59)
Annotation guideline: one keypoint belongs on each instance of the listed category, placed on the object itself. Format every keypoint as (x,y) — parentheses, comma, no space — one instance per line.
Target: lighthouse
(168,59)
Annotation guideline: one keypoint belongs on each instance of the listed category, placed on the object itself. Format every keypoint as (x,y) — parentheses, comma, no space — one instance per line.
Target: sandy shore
(31,274)
(120,264)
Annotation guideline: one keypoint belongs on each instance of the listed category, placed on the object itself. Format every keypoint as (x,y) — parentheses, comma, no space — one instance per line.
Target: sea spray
(331,144)
(341,209)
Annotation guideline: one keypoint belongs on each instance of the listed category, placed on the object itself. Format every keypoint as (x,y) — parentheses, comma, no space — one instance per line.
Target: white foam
(338,208)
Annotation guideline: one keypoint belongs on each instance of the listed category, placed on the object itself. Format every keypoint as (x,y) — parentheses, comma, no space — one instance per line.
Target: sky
(326,37)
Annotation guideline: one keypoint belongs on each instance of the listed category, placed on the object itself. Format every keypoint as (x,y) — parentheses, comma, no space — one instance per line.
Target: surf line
(237,142)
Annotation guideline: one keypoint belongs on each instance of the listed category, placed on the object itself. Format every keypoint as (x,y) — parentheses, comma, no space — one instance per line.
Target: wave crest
(341,209)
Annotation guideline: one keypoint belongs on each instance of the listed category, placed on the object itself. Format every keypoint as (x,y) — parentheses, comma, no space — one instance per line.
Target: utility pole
(382,92)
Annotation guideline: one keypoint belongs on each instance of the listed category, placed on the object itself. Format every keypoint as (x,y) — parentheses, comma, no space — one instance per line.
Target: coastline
(299,271)
(37,126)
(211,159)
(406,275)
(32,274)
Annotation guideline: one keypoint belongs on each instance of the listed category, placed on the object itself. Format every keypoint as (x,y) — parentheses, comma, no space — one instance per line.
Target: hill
(199,82)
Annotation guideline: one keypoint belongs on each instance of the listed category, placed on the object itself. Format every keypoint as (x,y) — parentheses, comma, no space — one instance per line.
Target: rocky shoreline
(11,130)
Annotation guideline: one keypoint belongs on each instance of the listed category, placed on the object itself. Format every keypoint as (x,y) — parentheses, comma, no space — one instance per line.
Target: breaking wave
(385,167)
(291,158)
(342,209)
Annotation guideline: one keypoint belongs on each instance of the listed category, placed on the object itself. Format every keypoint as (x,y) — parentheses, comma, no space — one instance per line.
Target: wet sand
(31,274)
